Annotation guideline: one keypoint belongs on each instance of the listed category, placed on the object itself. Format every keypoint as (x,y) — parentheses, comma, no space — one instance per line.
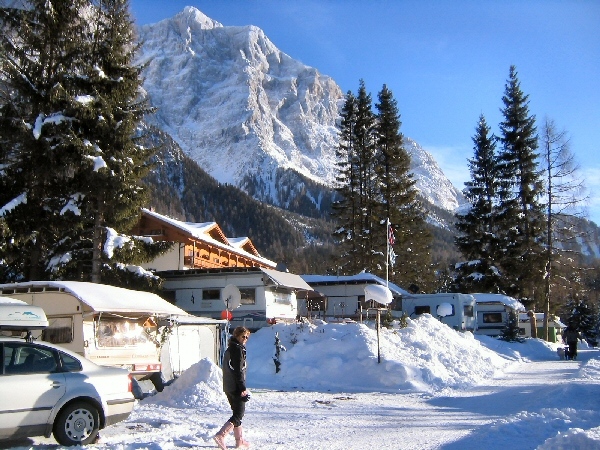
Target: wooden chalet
(198,245)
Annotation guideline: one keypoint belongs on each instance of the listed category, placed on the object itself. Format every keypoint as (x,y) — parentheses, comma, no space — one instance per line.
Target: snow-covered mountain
(245,111)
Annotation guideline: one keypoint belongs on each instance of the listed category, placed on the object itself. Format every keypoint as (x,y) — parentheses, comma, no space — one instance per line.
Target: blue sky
(446,62)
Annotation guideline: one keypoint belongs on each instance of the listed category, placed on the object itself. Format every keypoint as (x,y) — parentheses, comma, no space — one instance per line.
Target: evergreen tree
(476,226)
(365,145)
(73,176)
(399,203)
(520,216)
(355,212)
(581,315)
(510,332)
(111,181)
(345,210)
(41,52)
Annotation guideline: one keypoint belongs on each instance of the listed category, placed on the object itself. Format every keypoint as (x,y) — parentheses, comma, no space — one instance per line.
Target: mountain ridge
(230,88)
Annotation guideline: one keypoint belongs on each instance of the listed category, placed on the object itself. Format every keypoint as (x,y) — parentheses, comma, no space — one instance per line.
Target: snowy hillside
(244,110)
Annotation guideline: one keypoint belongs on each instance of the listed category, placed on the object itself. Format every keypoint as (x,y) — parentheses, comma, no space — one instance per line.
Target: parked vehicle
(110,326)
(493,311)
(47,389)
(265,295)
(455,310)
(341,297)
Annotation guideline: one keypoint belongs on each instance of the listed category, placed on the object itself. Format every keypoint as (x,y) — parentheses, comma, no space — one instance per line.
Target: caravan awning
(286,279)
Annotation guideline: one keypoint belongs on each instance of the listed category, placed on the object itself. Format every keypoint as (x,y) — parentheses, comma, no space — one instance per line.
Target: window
(22,359)
(70,364)
(211,294)
(120,332)
(248,296)
(492,318)
(59,331)
(445,310)
(425,309)
(281,296)
(468,310)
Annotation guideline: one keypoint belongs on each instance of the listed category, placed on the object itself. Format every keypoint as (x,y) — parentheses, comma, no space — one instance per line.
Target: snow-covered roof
(104,298)
(201,231)
(505,299)
(363,277)
(286,279)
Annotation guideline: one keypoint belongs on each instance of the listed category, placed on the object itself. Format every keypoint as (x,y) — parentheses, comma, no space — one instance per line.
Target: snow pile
(574,438)
(200,386)
(425,356)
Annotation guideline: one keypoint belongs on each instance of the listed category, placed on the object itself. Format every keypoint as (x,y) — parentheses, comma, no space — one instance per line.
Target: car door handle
(56,384)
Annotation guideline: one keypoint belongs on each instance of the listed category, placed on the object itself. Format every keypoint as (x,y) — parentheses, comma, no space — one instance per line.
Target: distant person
(234,386)
(570,337)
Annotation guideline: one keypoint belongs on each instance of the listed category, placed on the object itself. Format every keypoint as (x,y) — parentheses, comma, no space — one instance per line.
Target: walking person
(234,386)
(570,337)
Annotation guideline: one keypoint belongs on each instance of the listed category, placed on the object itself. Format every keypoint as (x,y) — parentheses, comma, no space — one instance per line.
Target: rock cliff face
(249,114)
(235,103)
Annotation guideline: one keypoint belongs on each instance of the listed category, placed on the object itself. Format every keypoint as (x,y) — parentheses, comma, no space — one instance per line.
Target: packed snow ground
(434,388)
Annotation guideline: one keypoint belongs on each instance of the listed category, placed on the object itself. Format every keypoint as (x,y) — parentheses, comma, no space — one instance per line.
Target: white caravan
(265,295)
(341,297)
(455,310)
(111,326)
(493,311)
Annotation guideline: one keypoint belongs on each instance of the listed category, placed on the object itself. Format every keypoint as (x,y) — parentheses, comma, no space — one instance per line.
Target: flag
(392,257)
(391,238)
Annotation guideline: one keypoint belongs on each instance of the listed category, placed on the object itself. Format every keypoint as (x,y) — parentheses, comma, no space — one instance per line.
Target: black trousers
(238,408)
(572,350)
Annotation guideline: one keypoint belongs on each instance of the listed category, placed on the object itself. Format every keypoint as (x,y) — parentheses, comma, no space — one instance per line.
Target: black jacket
(234,368)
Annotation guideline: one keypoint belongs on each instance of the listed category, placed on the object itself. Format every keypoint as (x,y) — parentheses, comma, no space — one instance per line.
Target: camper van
(262,296)
(342,297)
(493,311)
(455,310)
(110,326)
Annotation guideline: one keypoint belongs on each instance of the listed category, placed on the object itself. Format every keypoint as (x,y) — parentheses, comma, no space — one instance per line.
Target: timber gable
(200,245)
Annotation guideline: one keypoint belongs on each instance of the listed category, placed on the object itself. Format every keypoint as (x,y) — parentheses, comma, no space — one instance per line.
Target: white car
(46,389)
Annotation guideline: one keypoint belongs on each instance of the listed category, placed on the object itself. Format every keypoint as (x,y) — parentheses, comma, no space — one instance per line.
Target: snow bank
(425,356)
(200,386)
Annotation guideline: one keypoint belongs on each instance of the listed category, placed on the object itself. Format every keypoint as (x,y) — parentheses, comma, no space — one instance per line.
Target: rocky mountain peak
(245,111)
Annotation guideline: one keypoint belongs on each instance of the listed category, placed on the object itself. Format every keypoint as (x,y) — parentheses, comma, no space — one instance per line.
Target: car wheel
(77,424)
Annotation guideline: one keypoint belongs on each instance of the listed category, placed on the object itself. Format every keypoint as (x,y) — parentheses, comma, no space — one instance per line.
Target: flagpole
(387,251)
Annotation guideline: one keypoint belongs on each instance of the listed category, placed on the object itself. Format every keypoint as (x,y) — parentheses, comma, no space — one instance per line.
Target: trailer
(455,310)
(110,326)
(493,311)
(265,295)
(342,297)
